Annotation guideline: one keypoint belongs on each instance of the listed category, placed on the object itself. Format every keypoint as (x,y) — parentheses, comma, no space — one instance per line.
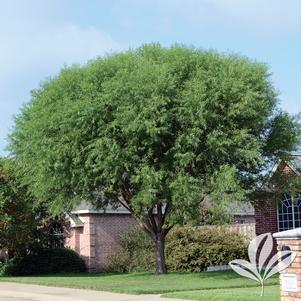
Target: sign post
(290,278)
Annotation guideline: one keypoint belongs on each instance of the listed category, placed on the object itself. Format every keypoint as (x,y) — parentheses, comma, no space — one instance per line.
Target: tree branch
(166,211)
(152,220)
(160,217)
(166,230)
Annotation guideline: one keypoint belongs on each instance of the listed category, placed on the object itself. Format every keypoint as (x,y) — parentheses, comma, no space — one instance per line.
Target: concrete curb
(29,292)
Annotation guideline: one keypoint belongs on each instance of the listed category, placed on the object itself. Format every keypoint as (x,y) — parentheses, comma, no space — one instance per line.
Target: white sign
(289,283)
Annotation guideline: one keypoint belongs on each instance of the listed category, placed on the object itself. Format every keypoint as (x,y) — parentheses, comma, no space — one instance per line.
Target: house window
(56,235)
(289,213)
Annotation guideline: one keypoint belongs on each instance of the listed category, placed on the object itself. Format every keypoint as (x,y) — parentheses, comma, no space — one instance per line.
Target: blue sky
(38,37)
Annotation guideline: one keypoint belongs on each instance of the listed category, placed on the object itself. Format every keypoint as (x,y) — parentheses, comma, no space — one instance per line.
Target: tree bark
(160,255)
(153,224)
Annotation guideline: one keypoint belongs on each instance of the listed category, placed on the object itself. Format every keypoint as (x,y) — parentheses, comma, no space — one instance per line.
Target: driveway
(28,292)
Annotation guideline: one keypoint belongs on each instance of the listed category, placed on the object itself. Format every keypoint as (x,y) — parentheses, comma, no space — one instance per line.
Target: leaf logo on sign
(262,264)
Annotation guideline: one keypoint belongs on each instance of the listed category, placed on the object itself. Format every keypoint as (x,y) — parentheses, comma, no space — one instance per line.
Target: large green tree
(16,215)
(154,129)
(24,227)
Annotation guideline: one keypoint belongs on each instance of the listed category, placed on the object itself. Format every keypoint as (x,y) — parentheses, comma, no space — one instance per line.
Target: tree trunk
(160,255)
(10,253)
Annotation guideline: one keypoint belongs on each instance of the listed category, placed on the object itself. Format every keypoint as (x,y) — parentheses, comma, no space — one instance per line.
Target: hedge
(187,249)
(44,261)
(195,249)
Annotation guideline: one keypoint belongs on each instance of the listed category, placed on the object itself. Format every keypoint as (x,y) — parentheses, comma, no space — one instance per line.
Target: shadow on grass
(226,275)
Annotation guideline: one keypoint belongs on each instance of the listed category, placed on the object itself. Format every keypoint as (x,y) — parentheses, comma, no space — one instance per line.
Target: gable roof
(240,209)
(87,207)
(295,164)
(75,220)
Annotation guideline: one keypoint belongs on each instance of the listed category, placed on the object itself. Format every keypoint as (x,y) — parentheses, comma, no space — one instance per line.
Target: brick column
(92,261)
(86,242)
(290,278)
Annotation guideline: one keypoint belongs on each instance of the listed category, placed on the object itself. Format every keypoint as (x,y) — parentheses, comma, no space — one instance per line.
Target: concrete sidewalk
(27,292)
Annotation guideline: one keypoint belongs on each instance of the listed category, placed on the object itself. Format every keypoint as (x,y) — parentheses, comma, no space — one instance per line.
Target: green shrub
(119,262)
(136,255)
(140,249)
(44,261)
(187,249)
(195,249)
(214,215)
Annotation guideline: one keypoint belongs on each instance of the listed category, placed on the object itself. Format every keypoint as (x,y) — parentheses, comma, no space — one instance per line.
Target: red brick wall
(108,229)
(80,240)
(266,217)
(266,212)
(99,237)
(244,219)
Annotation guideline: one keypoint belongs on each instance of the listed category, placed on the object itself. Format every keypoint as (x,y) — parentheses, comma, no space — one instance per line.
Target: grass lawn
(272,293)
(139,283)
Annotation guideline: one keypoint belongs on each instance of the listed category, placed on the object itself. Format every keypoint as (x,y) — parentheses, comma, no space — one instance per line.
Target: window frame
(295,202)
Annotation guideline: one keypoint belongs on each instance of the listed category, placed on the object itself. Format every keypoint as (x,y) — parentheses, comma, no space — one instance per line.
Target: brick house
(280,214)
(94,234)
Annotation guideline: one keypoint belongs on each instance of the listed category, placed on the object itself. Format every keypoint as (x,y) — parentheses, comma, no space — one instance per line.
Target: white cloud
(48,49)
(261,17)
(34,37)
(290,105)
(35,43)
(265,16)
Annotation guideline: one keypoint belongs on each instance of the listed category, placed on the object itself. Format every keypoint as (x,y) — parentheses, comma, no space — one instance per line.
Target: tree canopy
(154,129)
(24,227)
